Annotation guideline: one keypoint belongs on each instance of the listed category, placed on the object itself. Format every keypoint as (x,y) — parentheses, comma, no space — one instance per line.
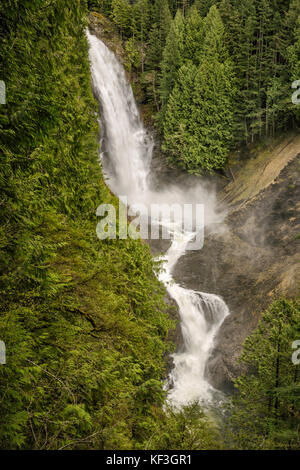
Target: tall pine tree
(265,412)
(173,56)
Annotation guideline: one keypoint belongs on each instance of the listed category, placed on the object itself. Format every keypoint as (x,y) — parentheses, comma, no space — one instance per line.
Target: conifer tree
(212,116)
(177,120)
(293,53)
(173,55)
(193,38)
(121,14)
(141,21)
(265,412)
(198,125)
(214,44)
(182,5)
(203,6)
(161,18)
(142,12)
(258,35)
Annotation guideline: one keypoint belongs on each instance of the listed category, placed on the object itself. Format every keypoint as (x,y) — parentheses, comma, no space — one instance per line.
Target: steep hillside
(256,258)
(83,321)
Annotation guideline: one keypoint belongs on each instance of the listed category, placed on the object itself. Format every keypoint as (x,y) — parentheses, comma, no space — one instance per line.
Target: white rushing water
(126,161)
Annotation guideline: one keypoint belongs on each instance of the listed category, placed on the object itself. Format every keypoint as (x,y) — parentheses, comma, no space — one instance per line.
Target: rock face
(255,259)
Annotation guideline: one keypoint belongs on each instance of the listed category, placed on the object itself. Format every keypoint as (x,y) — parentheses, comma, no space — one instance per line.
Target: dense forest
(86,329)
(218,72)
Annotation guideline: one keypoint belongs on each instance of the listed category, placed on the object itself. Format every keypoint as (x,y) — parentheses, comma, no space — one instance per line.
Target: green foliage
(203,6)
(161,18)
(198,121)
(172,57)
(133,54)
(187,428)
(142,13)
(84,321)
(265,413)
(121,15)
(177,118)
(193,37)
(261,37)
(214,36)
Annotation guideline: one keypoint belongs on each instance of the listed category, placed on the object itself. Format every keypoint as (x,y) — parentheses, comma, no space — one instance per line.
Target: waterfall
(126,157)
(127,146)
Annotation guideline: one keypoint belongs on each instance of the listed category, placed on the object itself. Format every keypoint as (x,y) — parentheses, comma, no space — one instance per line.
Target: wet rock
(254,260)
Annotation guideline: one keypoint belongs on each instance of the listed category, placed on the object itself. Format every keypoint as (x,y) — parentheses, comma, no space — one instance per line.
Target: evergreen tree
(182,5)
(142,14)
(255,40)
(293,54)
(198,124)
(214,43)
(291,17)
(173,56)
(212,116)
(121,13)
(258,35)
(161,18)
(141,20)
(203,6)
(265,413)
(194,36)
(100,5)
(177,120)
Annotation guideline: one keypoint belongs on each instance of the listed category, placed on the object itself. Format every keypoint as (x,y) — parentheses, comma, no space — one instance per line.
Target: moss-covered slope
(83,320)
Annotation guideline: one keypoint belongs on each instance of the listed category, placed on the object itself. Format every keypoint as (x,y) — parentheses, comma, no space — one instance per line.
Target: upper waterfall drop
(126,160)
(127,144)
